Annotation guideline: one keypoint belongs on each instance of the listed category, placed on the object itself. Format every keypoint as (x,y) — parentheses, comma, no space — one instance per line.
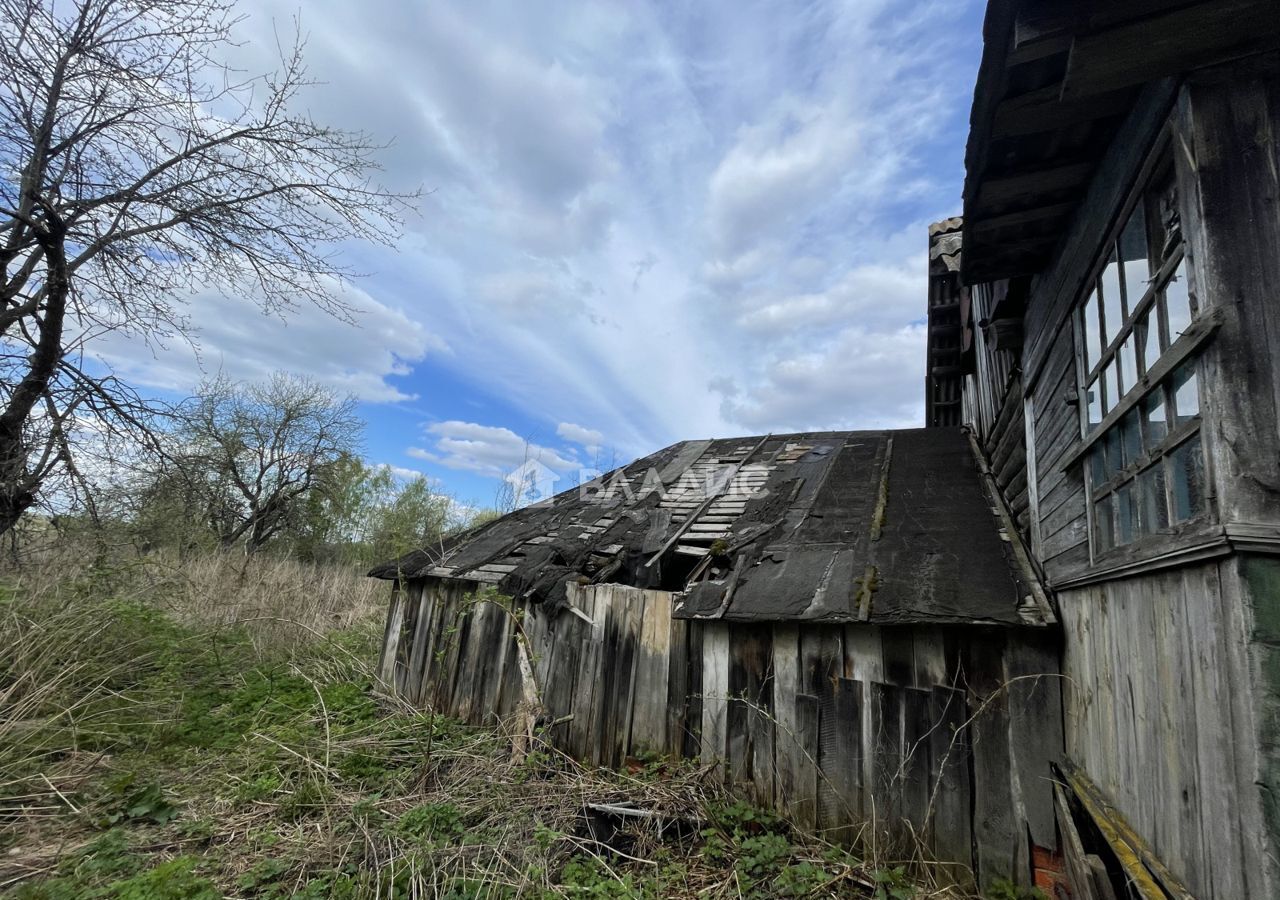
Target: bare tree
(136,168)
(253,453)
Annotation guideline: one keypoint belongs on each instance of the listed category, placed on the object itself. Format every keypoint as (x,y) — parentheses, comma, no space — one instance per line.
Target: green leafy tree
(255,453)
(415,517)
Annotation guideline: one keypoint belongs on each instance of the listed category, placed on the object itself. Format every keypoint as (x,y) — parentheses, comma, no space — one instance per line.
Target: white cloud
(531,294)
(777,172)
(585,437)
(401,472)
(486,449)
(878,294)
(670,221)
(233,336)
(857,379)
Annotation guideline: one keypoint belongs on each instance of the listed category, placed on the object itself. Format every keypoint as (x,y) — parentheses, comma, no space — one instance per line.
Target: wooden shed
(844,623)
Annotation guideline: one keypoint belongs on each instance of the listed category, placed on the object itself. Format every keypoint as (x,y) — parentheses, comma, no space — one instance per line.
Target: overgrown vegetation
(214,730)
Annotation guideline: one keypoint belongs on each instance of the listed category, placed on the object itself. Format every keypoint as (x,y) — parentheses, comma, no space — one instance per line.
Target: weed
(893,884)
(587,876)
(432,823)
(123,798)
(1004,889)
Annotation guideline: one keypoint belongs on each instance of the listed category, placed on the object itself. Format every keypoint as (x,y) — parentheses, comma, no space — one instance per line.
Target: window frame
(1097,365)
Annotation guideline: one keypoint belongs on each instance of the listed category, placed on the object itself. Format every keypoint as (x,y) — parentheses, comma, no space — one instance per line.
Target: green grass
(145,759)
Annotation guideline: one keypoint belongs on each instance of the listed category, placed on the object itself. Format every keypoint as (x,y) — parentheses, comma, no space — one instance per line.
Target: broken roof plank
(801,546)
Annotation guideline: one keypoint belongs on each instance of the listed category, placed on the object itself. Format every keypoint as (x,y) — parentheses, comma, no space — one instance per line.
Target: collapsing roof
(887,527)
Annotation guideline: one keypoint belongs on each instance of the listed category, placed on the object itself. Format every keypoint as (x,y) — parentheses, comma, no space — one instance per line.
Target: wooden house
(1054,631)
(845,624)
(1117,316)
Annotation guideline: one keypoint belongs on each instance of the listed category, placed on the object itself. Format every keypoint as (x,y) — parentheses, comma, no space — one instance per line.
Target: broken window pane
(1149,338)
(1153,504)
(1165,209)
(1093,397)
(1126,514)
(1186,394)
(1112,311)
(1133,257)
(1115,451)
(1153,414)
(1177,302)
(1103,523)
(1130,430)
(1127,363)
(1186,473)
(1098,464)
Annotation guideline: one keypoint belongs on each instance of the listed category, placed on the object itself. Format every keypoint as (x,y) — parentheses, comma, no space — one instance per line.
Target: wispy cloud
(367,357)
(669,221)
(486,449)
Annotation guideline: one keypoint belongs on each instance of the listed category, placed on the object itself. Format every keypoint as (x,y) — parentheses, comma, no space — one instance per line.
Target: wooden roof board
(938,558)
(800,546)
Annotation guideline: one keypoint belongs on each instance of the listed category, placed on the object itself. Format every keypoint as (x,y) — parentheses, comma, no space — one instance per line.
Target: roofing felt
(876,526)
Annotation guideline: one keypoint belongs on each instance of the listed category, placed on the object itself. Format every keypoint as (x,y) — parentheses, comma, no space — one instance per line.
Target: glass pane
(1126,514)
(1186,474)
(1126,359)
(1153,505)
(1109,383)
(1093,395)
(1112,313)
(1177,302)
(1098,464)
(1092,334)
(1103,523)
(1186,393)
(1133,257)
(1153,414)
(1114,450)
(1130,431)
(1149,338)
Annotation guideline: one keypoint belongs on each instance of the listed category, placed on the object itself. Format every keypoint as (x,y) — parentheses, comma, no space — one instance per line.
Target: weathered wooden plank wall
(1168,698)
(606,672)
(1153,667)
(882,723)
(834,725)
(1228,126)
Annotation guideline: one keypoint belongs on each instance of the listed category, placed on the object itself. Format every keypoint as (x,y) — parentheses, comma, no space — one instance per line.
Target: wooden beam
(704,505)
(1147,875)
(1044,110)
(1023,184)
(1168,43)
(1042,30)
(1021,217)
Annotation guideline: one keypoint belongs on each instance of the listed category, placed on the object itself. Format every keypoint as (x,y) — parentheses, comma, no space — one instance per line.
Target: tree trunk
(12,507)
(17,484)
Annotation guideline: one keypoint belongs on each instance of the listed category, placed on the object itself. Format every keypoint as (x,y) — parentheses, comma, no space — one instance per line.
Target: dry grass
(281,602)
(222,715)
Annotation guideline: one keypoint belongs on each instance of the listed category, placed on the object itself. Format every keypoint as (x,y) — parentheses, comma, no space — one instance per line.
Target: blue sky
(641,223)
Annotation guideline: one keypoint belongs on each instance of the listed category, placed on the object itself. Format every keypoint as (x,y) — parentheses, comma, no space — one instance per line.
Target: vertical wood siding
(1156,671)
(882,736)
